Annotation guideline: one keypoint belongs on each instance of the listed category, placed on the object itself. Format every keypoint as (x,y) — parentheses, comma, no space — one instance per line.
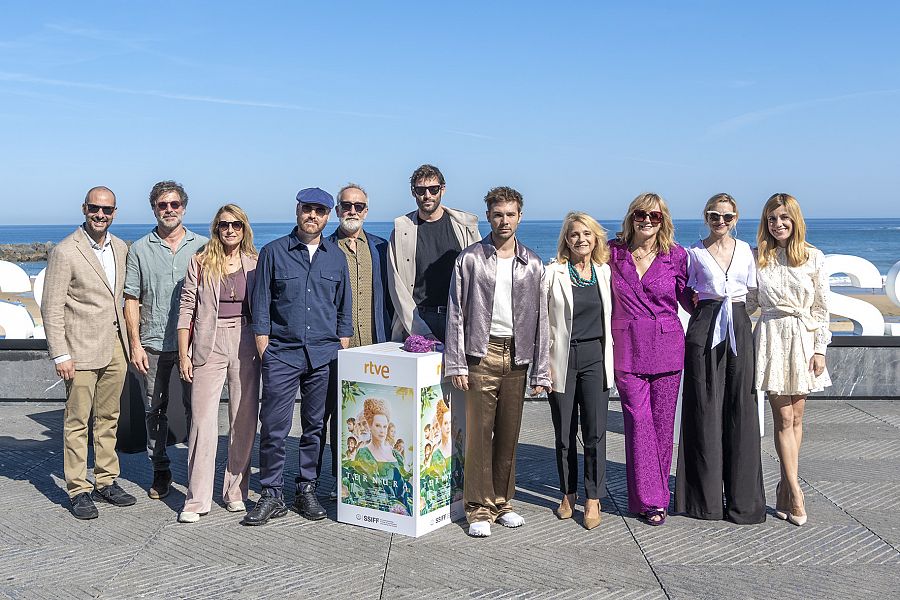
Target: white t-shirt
(311,248)
(501,315)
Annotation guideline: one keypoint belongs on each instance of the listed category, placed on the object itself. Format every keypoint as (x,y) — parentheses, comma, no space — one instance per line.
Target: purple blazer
(647,334)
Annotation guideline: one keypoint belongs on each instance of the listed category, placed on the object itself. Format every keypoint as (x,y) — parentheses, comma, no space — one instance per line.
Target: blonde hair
(797,249)
(373,407)
(600,253)
(665,239)
(441,410)
(212,258)
(721,198)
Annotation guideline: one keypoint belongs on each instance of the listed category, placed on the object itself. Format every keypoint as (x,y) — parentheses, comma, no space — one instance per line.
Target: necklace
(578,280)
(635,255)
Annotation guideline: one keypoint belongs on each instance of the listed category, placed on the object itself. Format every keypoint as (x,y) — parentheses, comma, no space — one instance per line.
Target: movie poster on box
(378,428)
(435,450)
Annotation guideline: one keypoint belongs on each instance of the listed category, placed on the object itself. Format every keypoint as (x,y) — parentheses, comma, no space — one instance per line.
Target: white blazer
(558,288)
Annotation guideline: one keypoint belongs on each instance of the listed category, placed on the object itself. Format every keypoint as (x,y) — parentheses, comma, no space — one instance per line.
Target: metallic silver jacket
(472,299)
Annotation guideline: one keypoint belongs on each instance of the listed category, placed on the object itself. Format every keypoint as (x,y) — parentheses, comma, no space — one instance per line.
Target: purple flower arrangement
(420,344)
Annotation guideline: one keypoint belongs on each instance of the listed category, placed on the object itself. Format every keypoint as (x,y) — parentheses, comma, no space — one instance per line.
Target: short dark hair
(164,187)
(97,188)
(502,194)
(424,172)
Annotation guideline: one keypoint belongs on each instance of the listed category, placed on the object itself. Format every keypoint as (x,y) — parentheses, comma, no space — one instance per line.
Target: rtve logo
(375,369)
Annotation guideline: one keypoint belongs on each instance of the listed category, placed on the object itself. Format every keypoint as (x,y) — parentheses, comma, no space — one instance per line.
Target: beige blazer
(81,310)
(196,293)
(558,288)
(402,268)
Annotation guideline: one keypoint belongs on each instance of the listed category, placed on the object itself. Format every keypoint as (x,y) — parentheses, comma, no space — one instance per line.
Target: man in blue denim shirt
(301,317)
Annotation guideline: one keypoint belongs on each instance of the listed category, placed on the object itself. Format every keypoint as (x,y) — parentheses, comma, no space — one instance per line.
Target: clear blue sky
(578,106)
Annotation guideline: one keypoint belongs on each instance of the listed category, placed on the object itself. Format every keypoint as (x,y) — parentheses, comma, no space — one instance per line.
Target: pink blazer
(647,335)
(206,300)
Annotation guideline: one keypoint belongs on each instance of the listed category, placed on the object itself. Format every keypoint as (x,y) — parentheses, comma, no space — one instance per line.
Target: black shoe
(267,507)
(162,481)
(83,507)
(306,502)
(114,495)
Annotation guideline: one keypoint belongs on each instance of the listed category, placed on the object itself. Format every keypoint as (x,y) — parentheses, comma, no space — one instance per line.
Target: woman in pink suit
(649,280)
(215,344)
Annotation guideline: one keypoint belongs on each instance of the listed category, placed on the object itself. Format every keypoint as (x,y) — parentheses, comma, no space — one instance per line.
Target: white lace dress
(793,324)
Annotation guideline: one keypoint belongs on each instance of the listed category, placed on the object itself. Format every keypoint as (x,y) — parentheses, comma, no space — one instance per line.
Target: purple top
(233,300)
(647,334)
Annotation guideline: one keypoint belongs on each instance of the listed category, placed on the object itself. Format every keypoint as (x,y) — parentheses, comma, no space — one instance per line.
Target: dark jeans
(280,381)
(156,403)
(436,321)
(330,426)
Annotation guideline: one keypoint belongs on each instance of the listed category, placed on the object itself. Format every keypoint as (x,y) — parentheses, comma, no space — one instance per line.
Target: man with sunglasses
(157,264)
(366,255)
(86,336)
(421,253)
(302,315)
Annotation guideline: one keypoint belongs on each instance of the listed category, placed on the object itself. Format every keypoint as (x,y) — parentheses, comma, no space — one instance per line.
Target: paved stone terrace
(849,549)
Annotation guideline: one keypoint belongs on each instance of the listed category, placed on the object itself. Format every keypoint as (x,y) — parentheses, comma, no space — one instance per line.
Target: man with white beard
(372,309)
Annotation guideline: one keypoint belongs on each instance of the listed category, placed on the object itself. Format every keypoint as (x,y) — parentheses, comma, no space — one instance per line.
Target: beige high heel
(781,511)
(592,522)
(565,507)
(796,519)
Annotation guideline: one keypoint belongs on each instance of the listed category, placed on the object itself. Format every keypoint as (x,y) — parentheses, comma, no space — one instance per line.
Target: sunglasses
(431,189)
(106,210)
(236,225)
(174,205)
(320,210)
(715,216)
(357,206)
(639,216)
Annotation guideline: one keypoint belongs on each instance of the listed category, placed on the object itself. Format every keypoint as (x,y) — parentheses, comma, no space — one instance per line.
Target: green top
(155,275)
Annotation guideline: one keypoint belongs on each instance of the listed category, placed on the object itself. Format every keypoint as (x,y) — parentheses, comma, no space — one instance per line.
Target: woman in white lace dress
(791,335)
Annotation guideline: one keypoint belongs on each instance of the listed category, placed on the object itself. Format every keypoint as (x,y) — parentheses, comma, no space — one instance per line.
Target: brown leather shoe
(162,484)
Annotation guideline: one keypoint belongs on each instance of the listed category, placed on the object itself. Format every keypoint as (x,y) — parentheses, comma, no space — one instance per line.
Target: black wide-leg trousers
(719,450)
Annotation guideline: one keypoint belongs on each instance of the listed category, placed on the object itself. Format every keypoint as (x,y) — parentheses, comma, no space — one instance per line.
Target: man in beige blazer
(85,329)
(421,253)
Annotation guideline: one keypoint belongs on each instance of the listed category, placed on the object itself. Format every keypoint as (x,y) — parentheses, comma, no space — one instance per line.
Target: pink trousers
(234,358)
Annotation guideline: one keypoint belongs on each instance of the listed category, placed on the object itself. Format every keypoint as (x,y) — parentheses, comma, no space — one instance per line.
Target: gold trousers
(493,419)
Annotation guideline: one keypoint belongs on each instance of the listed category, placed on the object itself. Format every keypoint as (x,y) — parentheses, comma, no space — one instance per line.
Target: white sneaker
(186,516)
(480,529)
(511,519)
(236,506)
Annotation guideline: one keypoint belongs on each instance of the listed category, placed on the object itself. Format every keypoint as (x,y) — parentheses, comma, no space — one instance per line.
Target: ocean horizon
(876,240)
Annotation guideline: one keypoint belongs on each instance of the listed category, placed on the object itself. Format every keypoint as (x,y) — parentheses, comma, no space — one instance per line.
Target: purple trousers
(648,410)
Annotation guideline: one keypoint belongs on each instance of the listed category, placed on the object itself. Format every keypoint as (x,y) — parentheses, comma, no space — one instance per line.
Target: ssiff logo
(372,368)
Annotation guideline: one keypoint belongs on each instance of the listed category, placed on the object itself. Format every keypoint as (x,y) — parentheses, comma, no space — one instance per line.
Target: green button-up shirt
(154,274)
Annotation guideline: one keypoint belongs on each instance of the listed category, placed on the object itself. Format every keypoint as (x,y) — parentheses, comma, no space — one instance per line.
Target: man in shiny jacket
(497,326)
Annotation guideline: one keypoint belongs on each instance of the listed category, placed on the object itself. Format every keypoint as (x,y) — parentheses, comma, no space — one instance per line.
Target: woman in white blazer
(581,359)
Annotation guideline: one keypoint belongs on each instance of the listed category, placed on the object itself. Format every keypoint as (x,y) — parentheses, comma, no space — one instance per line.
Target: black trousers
(586,399)
(330,426)
(436,321)
(719,448)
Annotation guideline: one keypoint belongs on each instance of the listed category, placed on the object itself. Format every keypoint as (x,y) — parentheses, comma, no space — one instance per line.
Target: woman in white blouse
(719,448)
(791,335)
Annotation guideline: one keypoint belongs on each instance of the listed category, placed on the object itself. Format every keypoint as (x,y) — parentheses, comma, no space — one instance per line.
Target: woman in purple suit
(649,280)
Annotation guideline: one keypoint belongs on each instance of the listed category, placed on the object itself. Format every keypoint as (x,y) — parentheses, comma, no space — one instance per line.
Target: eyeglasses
(320,210)
(357,206)
(715,216)
(94,208)
(174,205)
(639,216)
(236,225)
(431,189)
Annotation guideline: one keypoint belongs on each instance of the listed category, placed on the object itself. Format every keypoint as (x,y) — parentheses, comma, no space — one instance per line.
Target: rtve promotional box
(401,448)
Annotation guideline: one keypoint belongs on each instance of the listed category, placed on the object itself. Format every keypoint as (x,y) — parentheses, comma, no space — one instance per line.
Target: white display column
(401,446)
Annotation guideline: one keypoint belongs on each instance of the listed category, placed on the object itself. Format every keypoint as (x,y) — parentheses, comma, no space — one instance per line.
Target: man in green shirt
(154,276)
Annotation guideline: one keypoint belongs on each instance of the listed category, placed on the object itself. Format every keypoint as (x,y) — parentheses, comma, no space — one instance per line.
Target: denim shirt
(301,304)
(472,298)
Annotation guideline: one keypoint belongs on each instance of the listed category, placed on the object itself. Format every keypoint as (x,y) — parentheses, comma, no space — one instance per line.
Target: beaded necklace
(578,280)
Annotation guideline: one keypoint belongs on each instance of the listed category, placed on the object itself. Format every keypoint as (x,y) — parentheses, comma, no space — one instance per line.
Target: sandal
(647,517)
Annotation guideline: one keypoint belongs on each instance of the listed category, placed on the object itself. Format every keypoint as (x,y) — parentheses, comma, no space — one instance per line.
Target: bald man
(85,329)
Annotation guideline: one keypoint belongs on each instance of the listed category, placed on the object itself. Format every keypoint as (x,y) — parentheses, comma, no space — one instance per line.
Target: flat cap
(315,196)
